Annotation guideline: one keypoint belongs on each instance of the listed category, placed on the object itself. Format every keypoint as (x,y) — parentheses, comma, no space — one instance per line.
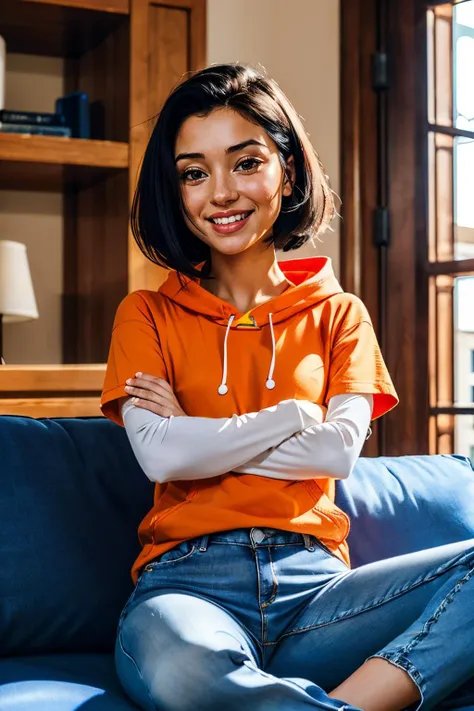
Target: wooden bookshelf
(17,147)
(60,28)
(126,55)
(50,163)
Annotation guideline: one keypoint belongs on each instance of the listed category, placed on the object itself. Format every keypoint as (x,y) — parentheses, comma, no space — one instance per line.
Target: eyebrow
(231,149)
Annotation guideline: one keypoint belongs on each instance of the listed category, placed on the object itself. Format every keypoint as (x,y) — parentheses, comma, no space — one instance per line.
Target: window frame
(393,282)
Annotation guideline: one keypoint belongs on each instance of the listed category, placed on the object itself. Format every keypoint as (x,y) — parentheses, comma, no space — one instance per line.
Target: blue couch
(71,499)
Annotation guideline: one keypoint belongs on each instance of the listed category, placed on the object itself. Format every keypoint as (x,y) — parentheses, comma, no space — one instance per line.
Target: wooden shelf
(50,163)
(59,28)
(51,390)
(87,377)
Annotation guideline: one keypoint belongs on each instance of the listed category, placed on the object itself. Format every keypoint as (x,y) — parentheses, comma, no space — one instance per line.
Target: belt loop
(203,543)
(308,543)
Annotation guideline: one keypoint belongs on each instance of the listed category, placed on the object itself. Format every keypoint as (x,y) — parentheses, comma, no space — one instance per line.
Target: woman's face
(231,179)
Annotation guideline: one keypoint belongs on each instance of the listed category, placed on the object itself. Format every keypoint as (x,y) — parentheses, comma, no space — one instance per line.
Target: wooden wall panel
(359,257)
(96,217)
(404,337)
(95,267)
(167,39)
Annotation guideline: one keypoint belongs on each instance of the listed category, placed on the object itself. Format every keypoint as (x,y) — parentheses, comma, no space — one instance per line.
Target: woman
(246,388)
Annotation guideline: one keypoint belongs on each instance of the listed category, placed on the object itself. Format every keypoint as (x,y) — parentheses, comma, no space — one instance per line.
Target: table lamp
(17,297)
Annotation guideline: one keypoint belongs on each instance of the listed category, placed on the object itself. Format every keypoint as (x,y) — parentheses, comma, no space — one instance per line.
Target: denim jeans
(265,620)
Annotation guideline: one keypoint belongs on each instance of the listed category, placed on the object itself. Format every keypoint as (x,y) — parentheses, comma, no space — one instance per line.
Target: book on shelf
(76,111)
(31,118)
(35,129)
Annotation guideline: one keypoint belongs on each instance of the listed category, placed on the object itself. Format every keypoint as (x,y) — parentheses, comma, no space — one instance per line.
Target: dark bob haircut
(157,220)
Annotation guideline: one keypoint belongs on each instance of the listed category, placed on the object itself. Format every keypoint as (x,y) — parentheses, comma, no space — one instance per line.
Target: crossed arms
(292,440)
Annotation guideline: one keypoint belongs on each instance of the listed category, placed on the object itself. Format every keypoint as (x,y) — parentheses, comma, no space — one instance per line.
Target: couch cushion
(67,682)
(72,496)
(403,504)
(71,499)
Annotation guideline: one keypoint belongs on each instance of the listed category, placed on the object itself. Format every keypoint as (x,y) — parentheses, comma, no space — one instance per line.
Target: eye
(192,175)
(249,164)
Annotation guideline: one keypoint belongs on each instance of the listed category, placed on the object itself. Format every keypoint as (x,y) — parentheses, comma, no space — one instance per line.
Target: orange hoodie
(310,343)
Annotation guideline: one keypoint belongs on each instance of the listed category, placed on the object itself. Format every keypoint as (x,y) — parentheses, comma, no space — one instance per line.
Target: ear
(290,177)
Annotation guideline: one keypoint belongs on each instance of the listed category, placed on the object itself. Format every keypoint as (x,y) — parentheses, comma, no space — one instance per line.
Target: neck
(246,280)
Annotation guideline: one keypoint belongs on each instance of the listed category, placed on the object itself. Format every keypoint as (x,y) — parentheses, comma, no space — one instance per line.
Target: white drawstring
(222,389)
(270,384)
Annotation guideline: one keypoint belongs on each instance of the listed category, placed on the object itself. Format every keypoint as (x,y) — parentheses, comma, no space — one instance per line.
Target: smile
(229,225)
(231,219)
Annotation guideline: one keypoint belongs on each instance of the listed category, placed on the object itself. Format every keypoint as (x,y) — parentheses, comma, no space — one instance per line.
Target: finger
(155,379)
(150,395)
(151,383)
(151,392)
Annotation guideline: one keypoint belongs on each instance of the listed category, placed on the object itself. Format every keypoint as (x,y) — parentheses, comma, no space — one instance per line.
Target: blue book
(75,109)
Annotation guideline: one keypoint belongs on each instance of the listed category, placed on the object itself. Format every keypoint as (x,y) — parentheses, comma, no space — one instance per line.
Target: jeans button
(257,535)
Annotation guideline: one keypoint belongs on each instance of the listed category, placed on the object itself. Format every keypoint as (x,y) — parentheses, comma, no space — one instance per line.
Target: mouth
(234,223)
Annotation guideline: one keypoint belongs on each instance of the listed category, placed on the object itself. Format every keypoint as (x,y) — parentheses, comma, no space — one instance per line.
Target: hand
(311,413)
(154,394)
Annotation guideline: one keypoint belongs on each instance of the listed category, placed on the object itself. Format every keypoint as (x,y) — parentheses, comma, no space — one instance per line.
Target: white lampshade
(17,297)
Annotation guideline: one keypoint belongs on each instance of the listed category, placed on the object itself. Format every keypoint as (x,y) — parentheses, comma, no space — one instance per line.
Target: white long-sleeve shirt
(287,441)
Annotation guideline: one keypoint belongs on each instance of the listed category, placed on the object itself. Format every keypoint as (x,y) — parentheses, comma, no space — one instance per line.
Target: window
(450,137)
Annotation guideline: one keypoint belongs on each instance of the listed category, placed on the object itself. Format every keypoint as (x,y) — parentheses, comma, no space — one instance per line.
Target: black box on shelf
(75,109)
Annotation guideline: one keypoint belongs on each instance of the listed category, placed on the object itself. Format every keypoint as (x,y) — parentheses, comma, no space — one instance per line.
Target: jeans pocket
(179,553)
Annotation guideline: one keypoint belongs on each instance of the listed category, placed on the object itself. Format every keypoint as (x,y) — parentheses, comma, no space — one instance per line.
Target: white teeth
(229,220)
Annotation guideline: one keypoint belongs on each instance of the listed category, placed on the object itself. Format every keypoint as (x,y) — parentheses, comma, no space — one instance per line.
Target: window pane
(451,339)
(464,435)
(463,42)
(464,340)
(451,216)
(464,201)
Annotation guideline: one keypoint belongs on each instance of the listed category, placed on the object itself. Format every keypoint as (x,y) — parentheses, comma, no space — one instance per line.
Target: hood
(312,280)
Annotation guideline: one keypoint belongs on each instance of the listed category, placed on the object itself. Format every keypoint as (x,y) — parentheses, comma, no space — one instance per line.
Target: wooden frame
(410,264)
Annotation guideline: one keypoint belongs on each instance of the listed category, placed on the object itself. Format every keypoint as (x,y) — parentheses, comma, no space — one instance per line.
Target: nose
(223,189)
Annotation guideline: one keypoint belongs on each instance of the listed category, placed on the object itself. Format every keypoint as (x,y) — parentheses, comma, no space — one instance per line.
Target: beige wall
(297,41)
(35,219)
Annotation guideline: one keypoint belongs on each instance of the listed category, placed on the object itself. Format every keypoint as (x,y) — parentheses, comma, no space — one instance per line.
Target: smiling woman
(253,165)
(254,382)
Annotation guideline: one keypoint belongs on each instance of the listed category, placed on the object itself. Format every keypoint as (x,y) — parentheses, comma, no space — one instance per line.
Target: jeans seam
(433,619)
(124,651)
(400,661)
(378,603)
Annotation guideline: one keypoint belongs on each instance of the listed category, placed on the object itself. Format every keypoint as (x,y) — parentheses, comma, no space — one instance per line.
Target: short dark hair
(157,220)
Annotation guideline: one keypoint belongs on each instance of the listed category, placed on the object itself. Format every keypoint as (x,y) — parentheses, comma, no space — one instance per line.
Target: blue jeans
(265,620)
